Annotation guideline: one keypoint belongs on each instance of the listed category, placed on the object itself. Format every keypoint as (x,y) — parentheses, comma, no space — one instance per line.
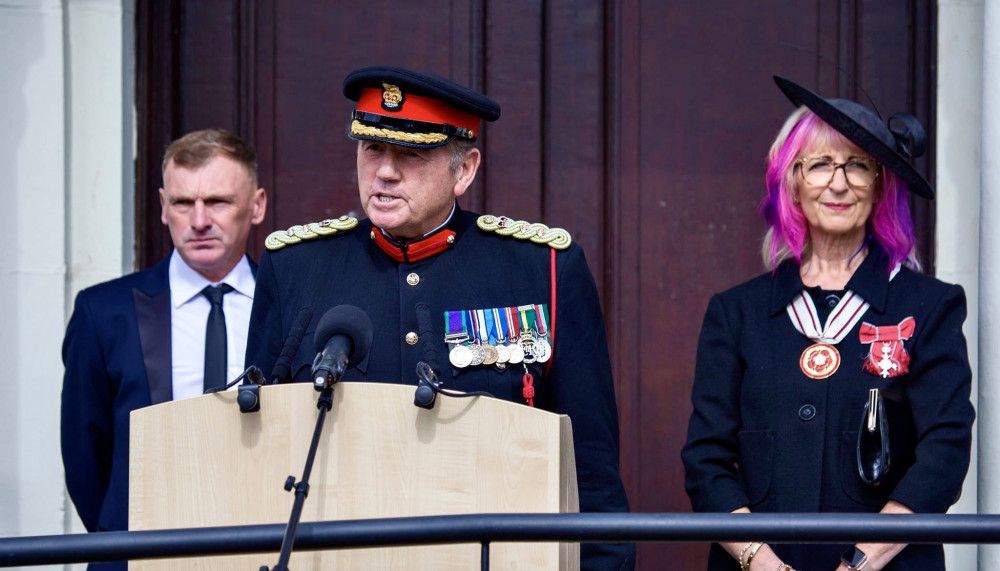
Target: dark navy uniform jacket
(764,435)
(480,270)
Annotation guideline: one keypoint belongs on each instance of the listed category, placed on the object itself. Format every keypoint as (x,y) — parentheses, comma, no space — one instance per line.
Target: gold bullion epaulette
(537,232)
(300,232)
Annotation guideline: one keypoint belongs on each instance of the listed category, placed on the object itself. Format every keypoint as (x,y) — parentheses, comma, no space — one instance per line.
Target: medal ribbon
(527,317)
(500,316)
(870,333)
(482,333)
(543,319)
(473,326)
(802,312)
(491,326)
(454,322)
(887,356)
(515,324)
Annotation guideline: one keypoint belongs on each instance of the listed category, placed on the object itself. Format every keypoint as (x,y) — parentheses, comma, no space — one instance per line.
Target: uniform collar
(430,244)
(870,280)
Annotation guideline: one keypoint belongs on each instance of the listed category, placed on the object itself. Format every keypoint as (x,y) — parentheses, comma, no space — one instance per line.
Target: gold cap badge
(392,97)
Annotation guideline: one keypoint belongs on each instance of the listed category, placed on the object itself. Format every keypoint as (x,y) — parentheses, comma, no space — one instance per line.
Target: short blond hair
(198,147)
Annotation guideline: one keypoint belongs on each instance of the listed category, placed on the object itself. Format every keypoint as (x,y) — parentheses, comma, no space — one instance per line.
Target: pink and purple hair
(890,223)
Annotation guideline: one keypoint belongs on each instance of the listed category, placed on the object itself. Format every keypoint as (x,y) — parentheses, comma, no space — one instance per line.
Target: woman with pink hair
(838,381)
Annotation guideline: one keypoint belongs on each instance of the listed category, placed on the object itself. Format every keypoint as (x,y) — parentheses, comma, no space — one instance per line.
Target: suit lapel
(152,312)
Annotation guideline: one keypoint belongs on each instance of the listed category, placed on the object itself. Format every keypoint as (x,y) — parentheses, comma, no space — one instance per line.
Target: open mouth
(384,198)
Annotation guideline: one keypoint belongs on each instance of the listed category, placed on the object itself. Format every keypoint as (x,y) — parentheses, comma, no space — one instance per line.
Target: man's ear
(466,171)
(259,202)
(163,207)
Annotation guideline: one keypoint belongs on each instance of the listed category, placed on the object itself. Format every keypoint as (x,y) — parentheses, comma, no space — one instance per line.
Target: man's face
(409,192)
(209,211)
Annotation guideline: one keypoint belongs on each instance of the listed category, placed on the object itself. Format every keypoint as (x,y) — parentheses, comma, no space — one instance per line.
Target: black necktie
(215,338)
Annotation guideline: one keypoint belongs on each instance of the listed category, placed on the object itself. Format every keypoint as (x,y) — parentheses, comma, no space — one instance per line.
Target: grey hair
(459,149)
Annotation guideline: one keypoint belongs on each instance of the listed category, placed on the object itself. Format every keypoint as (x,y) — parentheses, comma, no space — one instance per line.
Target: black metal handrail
(486,528)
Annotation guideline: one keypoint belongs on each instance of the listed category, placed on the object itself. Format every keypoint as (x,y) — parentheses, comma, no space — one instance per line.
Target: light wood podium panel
(200,462)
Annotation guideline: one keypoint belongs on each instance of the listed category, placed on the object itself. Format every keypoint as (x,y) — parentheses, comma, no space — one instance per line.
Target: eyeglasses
(819,171)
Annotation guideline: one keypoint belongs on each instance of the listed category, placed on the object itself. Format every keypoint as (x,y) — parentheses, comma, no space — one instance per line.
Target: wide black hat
(892,143)
(414,108)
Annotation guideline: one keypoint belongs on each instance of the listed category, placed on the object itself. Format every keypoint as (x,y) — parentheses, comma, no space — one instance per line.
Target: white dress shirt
(189,316)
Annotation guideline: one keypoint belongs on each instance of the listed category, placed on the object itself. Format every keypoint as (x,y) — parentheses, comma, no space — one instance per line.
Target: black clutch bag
(873,441)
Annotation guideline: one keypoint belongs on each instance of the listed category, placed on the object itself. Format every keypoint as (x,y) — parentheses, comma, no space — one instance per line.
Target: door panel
(640,127)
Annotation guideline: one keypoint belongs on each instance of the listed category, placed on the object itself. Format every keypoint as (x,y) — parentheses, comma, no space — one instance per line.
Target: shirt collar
(870,280)
(186,283)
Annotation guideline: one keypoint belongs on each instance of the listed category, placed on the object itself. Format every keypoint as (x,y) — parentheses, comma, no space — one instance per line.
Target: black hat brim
(859,134)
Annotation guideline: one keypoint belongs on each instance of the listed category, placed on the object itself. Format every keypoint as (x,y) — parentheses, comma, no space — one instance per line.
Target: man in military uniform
(498,323)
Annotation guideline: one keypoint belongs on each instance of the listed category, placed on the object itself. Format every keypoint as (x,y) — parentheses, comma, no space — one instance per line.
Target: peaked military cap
(413,108)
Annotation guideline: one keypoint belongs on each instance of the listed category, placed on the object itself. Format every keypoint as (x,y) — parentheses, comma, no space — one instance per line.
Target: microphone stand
(324,404)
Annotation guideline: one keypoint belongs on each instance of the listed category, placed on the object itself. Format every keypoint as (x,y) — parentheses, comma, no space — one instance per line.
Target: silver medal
(478,355)
(503,354)
(542,349)
(460,356)
(528,349)
(516,355)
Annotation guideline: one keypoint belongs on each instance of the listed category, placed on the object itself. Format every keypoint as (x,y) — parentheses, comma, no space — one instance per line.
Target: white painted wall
(32,183)
(66,148)
(959,115)
(100,87)
(989,280)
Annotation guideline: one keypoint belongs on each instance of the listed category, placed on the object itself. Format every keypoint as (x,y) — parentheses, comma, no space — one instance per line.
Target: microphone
(343,339)
(428,385)
(283,366)
(248,395)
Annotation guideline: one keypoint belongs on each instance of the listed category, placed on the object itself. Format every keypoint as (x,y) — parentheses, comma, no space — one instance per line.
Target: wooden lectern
(200,462)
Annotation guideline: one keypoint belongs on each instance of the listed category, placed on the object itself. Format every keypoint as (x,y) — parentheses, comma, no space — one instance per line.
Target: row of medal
(498,336)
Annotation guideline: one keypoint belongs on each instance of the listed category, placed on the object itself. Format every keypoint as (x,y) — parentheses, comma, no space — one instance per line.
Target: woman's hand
(880,554)
(761,557)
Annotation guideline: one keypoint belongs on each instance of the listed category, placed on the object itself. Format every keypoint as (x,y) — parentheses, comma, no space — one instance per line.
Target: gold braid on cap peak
(281,238)
(359,128)
(538,233)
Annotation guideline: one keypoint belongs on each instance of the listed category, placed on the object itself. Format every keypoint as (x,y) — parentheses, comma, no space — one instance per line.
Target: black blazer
(479,270)
(117,358)
(764,435)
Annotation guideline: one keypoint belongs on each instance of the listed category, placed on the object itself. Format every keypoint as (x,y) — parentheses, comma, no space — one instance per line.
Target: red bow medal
(887,356)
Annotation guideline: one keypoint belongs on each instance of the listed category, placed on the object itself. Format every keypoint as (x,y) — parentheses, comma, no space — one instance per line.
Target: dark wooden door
(641,127)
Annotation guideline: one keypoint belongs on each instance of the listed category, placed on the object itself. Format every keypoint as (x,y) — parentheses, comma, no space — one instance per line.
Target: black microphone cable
(428,386)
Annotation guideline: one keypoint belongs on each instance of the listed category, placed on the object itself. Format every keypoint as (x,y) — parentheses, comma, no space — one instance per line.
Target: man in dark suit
(492,303)
(141,339)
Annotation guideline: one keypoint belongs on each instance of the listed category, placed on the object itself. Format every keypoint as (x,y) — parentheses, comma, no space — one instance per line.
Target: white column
(66,158)
(100,188)
(989,281)
(31,264)
(959,116)
(32,216)
(99,159)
